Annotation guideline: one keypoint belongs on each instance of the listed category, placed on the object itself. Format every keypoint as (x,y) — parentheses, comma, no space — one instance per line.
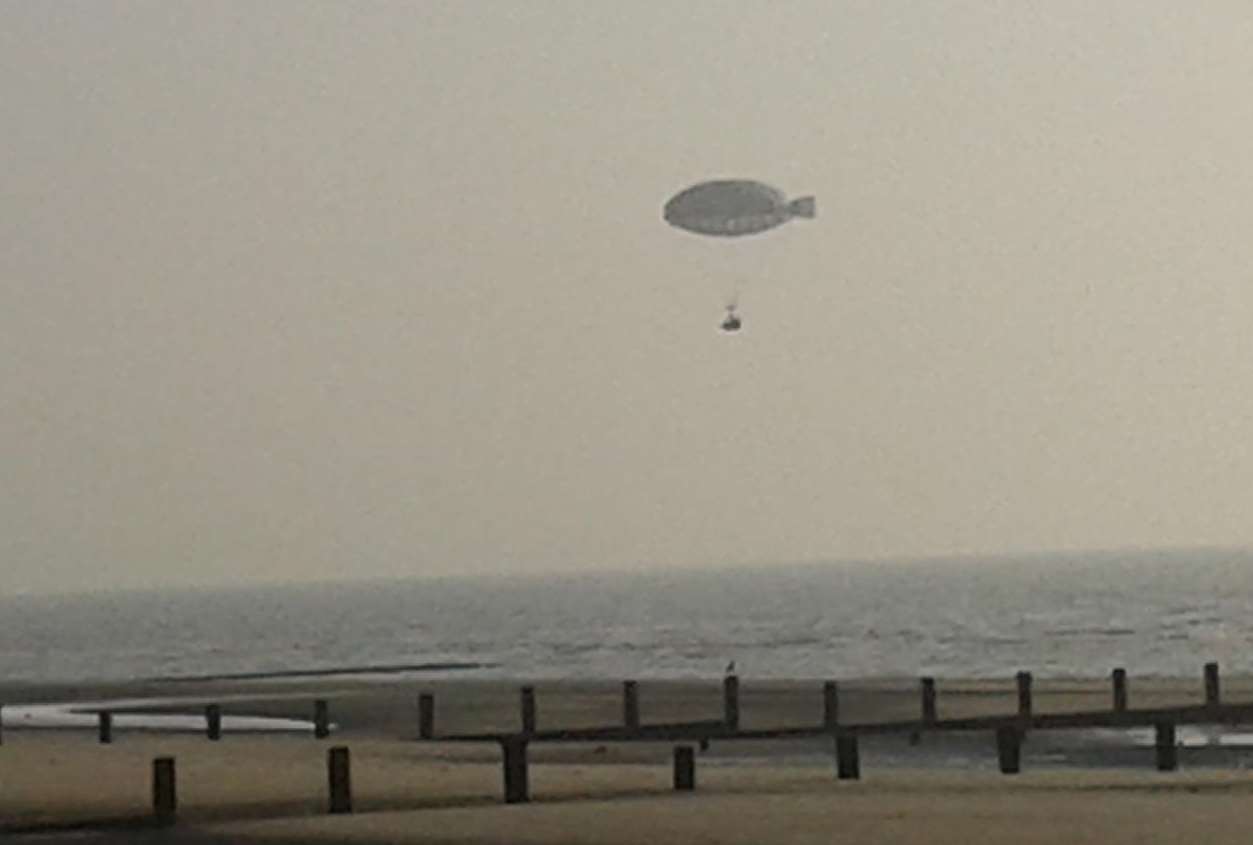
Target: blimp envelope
(733,207)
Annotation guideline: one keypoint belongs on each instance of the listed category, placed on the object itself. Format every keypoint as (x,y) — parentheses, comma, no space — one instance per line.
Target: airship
(734,207)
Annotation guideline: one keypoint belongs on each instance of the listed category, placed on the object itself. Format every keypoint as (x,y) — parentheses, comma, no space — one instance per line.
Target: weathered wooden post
(684,768)
(213,722)
(1120,690)
(1211,684)
(731,702)
(514,752)
(1023,680)
(339,780)
(426,716)
(105,721)
(928,701)
(1008,749)
(847,758)
(321,719)
(164,790)
(528,710)
(631,705)
(1164,745)
(830,705)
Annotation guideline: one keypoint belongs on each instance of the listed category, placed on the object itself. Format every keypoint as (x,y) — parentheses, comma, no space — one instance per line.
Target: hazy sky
(308,290)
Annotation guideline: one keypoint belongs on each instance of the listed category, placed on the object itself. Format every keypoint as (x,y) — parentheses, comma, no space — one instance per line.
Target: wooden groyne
(1025,718)
(923,705)
(1008,729)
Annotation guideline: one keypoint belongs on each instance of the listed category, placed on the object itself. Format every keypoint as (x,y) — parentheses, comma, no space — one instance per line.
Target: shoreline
(387,709)
(386,705)
(271,787)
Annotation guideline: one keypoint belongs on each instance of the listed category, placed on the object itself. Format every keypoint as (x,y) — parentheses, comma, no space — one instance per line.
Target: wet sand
(386,707)
(946,786)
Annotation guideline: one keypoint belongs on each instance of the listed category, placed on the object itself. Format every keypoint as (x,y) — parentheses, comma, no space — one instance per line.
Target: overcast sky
(296,290)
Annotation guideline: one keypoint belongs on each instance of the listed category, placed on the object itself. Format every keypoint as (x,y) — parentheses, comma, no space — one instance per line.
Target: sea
(1075,615)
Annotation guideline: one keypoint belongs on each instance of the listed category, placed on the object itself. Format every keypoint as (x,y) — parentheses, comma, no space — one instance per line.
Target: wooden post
(1023,679)
(1008,749)
(1120,690)
(426,716)
(1164,744)
(684,768)
(528,710)
(830,705)
(1,724)
(847,759)
(731,702)
(164,790)
(106,727)
(516,788)
(1211,684)
(321,719)
(928,701)
(213,722)
(631,705)
(339,779)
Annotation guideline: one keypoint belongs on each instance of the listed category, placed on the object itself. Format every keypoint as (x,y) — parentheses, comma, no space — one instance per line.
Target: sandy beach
(744,807)
(421,802)
(272,787)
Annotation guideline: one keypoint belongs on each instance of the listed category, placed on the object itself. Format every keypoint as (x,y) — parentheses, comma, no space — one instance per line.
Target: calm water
(1156,614)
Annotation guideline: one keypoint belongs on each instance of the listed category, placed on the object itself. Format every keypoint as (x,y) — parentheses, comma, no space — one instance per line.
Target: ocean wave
(798,622)
(1094,631)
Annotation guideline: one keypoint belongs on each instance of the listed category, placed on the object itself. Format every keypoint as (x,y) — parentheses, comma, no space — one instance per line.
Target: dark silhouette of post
(517,790)
(105,722)
(528,710)
(426,716)
(847,758)
(928,701)
(684,768)
(1,724)
(164,790)
(830,705)
(213,722)
(339,780)
(631,705)
(1023,680)
(1008,749)
(1120,690)
(321,719)
(1211,684)
(1164,746)
(731,702)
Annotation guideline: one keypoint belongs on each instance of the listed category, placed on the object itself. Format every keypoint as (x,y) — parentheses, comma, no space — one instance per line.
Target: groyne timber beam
(1192,715)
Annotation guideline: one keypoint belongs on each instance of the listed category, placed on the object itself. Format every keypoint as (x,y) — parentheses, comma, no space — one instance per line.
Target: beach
(271,786)
(749,808)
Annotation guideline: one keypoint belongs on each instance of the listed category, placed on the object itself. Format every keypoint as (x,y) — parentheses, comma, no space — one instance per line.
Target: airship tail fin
(802,207)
